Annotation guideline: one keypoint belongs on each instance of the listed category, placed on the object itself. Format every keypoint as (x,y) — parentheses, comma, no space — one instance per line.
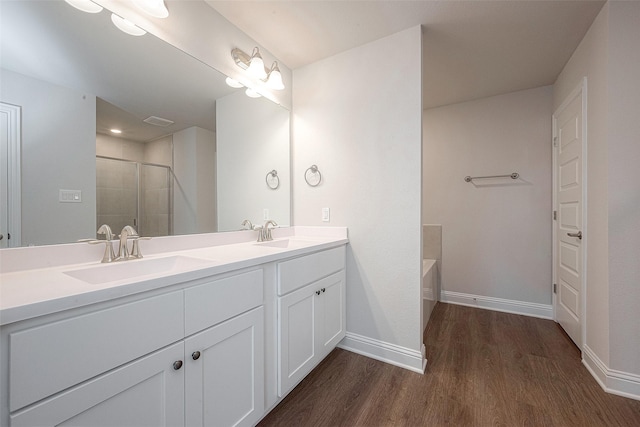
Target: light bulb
(233,83)
(256,65)
(85,6)
(155,8)
(252,93)
(274,80)
(127,26)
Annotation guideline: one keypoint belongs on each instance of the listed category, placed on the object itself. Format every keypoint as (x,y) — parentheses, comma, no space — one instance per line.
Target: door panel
(147,392)
(568,122)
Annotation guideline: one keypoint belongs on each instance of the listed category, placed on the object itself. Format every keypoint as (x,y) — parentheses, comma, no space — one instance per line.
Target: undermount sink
(286,243)
(105,273)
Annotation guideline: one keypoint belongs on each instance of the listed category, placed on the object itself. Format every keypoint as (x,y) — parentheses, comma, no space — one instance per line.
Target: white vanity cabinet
(194,356)
(311,313)
(224,364)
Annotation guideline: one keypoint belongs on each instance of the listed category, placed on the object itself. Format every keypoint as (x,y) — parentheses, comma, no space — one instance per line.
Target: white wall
(194,191)
(357,115)
(590,60)
(496,234)
(253,140)
(624,185)
(54,120)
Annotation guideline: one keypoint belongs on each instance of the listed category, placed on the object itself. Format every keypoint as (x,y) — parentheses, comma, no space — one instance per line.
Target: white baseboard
(544,311)
(612,381)
(389,353)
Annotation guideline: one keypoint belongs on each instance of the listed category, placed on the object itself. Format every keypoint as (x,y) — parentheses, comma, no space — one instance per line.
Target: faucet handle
(260,230)
(135,250)
(109,254)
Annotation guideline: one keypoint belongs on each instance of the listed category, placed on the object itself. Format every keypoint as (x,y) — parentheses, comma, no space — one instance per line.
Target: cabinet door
(225,373)
(147,392)
(331,323)
(297,343)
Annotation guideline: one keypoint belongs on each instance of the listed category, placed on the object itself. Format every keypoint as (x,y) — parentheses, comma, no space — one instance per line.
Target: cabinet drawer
(296,273)
(49,358)
(219,300)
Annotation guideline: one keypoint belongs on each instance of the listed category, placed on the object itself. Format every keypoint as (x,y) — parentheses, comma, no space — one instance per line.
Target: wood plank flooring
(484,368)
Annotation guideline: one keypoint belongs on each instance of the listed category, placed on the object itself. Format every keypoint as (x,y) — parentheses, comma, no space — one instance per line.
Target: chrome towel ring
(274,181)
(314,178)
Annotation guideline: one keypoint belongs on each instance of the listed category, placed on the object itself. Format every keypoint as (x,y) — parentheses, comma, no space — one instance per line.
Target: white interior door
(569,233)
(9,175)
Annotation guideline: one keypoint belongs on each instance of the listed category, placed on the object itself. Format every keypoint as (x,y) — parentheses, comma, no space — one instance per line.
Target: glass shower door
(116,193)
(136,194)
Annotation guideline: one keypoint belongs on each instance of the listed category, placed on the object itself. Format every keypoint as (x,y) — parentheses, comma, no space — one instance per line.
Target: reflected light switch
(70,196)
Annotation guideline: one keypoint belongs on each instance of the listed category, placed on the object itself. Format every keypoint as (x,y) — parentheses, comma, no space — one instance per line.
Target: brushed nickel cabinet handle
(177,364)
(195,355)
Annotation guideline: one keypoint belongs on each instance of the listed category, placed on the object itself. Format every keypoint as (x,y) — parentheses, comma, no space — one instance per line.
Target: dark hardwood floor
(484,368)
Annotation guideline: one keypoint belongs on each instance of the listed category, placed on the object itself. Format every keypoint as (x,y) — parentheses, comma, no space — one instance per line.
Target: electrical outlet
(265,214)
(326,214)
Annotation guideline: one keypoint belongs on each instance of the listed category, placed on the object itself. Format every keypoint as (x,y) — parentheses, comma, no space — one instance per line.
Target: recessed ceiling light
(116,131)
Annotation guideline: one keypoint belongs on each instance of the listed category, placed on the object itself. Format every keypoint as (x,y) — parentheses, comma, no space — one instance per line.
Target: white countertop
(33,292)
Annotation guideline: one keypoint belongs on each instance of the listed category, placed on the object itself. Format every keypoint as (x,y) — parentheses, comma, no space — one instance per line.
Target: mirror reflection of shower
(134,193)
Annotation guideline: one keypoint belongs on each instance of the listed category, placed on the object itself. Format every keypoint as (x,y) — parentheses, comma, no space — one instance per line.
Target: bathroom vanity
(216,333)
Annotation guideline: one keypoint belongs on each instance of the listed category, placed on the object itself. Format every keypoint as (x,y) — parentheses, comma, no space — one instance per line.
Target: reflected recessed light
(116,131)
(85,5)
(233,83)
(127,26)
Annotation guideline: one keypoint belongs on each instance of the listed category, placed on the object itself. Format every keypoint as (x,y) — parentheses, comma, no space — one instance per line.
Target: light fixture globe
(233,83)
(252,93)
(127,26)
(155,8)
(256,65)
(85,5)
(274,79)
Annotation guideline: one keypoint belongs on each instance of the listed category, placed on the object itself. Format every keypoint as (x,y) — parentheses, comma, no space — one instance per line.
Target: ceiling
(471,49)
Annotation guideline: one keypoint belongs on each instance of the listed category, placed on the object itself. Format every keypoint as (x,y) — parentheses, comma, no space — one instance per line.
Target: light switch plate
(326,214)
(70,196)
(265,214)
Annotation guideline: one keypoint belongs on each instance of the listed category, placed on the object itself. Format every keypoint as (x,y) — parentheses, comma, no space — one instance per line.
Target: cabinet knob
(317,292)
(177,364)
(195,355)
(324,290)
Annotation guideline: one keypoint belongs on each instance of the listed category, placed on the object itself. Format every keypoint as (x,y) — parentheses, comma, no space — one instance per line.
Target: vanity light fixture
(127,26)
(255,67)
(85,5)
(233,83)
(155,8)
(274,78)
(252,93)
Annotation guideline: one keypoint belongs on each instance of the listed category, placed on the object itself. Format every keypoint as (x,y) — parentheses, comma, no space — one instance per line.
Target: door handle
(578,235)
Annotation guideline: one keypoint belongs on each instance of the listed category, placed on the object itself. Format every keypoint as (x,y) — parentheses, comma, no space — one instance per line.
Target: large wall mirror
(203,160)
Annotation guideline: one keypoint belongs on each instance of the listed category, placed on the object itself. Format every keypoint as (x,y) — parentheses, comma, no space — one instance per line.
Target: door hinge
(555,141)
(555,215)
(554,288)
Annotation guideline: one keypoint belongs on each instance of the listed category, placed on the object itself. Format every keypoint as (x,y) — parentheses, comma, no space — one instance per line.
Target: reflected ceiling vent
(158,121)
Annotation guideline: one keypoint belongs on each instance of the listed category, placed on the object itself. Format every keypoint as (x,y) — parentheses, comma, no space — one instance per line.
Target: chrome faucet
(266,231)
(247,223)
(127,233)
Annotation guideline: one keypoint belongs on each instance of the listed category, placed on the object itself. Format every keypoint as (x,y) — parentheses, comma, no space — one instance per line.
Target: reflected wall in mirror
(75,77)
